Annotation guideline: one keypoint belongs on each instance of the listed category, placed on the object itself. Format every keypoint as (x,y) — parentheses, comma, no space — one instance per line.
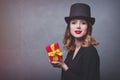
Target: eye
(73,22)
(84,23)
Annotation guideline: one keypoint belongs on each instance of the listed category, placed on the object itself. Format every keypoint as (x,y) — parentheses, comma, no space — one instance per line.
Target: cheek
(85,31)
(72,30)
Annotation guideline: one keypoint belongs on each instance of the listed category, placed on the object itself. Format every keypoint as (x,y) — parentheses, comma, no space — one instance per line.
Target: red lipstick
(78,31)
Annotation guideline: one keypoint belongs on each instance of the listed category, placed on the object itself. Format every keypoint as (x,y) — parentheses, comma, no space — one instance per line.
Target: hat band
(80,14)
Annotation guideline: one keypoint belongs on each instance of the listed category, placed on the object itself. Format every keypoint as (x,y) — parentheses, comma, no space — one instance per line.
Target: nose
(78,26)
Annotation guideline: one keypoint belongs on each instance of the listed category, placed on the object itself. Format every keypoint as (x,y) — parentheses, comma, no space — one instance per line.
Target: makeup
(78,31)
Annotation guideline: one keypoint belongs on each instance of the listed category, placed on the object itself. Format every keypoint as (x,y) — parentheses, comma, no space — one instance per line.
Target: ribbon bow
(54,53)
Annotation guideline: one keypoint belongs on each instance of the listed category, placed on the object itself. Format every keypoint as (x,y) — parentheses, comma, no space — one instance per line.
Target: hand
(59,64)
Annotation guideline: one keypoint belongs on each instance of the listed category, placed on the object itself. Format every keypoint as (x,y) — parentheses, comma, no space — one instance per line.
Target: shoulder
(91,50)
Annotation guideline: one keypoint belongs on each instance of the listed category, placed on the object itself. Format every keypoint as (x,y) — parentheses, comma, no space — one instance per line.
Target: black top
(85,66)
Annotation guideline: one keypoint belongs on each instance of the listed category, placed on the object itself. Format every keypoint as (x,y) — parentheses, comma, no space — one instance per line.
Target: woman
(82,61)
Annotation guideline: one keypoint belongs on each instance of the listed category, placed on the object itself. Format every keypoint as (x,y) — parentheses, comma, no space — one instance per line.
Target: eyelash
(84,23)
(74,22)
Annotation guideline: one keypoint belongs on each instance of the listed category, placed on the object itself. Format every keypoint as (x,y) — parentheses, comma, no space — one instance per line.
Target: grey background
(27,26)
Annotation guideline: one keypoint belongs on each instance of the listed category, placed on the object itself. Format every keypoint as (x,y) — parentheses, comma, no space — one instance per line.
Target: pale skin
(78,29)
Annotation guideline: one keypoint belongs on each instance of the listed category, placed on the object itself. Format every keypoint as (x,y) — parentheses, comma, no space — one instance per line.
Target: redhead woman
(82,61)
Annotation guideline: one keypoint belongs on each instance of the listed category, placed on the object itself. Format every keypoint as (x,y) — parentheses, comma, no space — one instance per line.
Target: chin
(77,36)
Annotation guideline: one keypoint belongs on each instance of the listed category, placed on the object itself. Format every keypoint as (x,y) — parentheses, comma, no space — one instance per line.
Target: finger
(60,61)
(54,62)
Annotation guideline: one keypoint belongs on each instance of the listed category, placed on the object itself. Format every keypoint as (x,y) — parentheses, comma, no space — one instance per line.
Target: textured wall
(27,26)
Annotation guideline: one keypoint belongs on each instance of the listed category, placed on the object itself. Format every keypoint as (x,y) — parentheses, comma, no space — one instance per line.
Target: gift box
(54,52)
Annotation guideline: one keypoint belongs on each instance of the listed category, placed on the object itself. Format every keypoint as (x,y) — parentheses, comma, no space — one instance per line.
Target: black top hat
(80,11)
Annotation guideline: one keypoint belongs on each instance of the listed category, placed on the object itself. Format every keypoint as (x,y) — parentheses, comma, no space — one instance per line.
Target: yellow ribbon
(54,53)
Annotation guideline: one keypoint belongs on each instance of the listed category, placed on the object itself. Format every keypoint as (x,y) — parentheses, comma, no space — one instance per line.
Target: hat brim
(89,19)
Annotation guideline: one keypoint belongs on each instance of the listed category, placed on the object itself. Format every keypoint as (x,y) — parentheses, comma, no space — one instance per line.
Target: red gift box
(54,52)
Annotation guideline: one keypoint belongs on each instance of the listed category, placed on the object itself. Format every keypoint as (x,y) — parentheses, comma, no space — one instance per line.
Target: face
(78,28)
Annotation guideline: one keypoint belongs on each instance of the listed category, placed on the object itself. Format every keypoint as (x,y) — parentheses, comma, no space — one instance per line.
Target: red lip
(78,32)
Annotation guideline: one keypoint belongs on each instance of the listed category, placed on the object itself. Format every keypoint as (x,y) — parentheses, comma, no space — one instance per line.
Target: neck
(78,43)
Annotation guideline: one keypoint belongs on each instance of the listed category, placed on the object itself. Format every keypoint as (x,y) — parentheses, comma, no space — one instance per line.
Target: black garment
(85,66)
